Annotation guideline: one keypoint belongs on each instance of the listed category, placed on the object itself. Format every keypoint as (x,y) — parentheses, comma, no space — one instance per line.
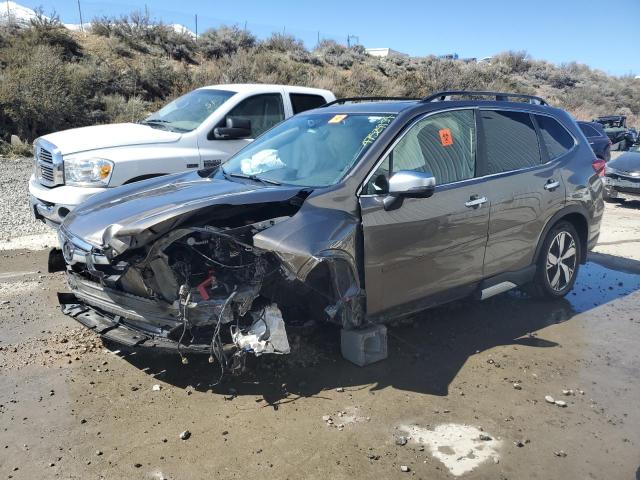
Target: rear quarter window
(555,137)
(588,130)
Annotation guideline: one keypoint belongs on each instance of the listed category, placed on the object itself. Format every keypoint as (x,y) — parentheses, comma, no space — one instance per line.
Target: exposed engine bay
(206,289)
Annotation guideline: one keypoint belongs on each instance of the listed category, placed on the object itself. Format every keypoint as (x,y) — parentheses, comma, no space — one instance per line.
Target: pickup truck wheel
(558,263)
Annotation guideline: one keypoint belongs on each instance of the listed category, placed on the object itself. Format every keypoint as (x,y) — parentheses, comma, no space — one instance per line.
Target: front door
(428,246)
(263,110)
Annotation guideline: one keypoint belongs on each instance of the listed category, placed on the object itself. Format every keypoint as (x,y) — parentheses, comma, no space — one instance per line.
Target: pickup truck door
(264,110)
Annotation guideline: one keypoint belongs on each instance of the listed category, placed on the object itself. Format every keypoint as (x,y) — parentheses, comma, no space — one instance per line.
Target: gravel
(15,217)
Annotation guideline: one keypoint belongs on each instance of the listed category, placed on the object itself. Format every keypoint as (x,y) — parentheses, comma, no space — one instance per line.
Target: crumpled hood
(627,162)
(108,136)
(138,206)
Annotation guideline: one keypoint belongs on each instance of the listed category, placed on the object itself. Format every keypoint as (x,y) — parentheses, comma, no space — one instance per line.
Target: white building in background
(385,52)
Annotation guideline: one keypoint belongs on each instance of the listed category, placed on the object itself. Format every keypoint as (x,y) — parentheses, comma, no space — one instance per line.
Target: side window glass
(555,137)
(302,102)
(510,141)
(264,111)
(443,144)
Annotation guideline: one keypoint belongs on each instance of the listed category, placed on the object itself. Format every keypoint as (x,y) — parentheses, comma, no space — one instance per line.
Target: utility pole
(80,12)
(8,14)
(349,37)
(318,42)
(196,25)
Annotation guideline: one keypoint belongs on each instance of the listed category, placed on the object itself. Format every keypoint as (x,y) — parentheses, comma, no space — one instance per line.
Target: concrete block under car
(364,346)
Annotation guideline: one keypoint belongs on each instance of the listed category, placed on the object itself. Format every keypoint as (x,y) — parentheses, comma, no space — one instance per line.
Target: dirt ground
(462,394)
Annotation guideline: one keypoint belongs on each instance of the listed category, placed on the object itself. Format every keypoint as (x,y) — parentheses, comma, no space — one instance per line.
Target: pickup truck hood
(96,137)
(133,208)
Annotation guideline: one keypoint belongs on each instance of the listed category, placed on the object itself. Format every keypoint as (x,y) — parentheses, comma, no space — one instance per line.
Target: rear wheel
(558,262)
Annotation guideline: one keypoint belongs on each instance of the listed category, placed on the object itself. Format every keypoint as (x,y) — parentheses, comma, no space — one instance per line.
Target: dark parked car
(622,176)
(615,126)
(355,213)
(600,143)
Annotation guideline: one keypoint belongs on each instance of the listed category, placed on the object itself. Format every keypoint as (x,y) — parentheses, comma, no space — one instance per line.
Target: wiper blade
(255,178)
(153,120)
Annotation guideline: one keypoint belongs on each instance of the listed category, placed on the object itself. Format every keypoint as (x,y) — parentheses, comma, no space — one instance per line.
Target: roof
(252,87)
(395,106)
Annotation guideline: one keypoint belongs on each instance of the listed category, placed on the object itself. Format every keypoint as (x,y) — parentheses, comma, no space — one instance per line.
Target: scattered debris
(156,388)
(560,453)
(185,435)
(561,403)
(485,437)
(339,389)
(404,468)
(517,386)
(549,399)
(401,441)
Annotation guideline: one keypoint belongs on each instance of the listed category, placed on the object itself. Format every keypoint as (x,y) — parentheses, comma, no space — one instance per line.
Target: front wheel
(558,263)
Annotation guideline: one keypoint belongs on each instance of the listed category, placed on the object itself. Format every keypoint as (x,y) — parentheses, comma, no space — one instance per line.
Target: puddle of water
(31,242)
(597,285)
(458,447)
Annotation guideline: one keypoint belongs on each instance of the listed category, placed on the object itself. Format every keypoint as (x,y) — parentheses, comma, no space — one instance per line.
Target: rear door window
(303,101)
(510,141)
(555,137)
(443,144)
(264,111)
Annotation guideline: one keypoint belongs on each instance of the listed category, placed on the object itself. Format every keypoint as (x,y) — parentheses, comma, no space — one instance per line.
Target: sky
(601,34)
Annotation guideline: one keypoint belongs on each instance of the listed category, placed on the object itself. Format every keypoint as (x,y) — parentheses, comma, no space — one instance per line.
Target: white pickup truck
(201,129)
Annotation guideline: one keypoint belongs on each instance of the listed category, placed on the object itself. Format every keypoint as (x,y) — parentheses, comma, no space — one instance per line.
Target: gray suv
(358,212)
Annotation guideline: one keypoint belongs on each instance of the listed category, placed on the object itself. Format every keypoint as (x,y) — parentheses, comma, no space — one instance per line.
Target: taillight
(598,166)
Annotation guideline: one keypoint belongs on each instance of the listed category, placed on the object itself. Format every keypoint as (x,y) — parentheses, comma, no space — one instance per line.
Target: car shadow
(426,352)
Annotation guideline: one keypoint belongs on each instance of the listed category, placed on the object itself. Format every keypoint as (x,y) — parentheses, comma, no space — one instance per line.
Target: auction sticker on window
(337,118)
(446,138)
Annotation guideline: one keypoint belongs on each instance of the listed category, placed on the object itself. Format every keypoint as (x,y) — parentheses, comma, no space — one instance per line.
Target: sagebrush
(124,68)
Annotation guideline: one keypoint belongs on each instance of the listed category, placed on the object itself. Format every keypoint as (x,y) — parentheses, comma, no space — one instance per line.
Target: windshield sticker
(337,118)
(446,138)
(381,124)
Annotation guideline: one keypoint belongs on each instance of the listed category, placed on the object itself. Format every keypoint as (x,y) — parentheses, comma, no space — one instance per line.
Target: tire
(555,277)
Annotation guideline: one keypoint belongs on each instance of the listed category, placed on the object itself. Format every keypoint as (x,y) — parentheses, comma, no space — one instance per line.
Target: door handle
(475,201)
(551,185)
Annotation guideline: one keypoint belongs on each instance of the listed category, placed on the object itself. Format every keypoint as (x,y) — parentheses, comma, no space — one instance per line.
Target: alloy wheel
(561,261)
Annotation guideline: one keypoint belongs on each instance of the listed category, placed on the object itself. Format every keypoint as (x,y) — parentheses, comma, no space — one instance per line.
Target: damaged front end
(219,290)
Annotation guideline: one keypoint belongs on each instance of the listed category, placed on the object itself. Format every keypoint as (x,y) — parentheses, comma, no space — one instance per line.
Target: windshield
(186,113)
(314,150)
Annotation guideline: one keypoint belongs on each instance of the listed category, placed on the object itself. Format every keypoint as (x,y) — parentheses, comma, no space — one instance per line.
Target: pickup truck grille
(49,166)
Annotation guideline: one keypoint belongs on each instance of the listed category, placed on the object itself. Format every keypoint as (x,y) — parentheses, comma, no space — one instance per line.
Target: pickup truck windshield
(186,113)
(315,149)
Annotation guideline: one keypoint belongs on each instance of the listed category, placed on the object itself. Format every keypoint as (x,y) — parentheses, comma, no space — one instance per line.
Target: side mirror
(408,184)
(235,128)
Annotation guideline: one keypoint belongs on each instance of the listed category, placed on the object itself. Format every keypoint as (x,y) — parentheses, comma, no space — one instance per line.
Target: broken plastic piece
(267,334)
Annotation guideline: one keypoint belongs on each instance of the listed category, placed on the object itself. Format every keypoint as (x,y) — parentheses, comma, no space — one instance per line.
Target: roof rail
(499,96)
(340,101)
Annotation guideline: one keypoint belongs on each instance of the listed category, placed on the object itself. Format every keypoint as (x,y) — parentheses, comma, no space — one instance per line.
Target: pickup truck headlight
(89,172)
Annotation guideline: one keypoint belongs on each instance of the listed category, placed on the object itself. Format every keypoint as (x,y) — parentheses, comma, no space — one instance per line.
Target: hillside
(52,77)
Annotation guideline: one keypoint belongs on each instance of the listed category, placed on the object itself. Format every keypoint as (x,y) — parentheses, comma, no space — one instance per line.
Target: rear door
(428,246)
(520,159)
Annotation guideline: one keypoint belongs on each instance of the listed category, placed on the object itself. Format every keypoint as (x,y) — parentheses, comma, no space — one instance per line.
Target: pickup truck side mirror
(408,184)
(235,128)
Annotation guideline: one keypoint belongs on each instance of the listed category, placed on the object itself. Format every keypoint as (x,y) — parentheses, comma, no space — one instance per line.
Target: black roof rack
(340,101)
(499,96)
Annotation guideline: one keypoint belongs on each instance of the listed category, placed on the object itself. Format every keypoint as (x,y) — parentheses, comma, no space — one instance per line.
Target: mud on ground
(462,394)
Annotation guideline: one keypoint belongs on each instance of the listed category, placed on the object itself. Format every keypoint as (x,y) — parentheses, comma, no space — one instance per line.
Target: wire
(215,262)
(215,339)
(185,320)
